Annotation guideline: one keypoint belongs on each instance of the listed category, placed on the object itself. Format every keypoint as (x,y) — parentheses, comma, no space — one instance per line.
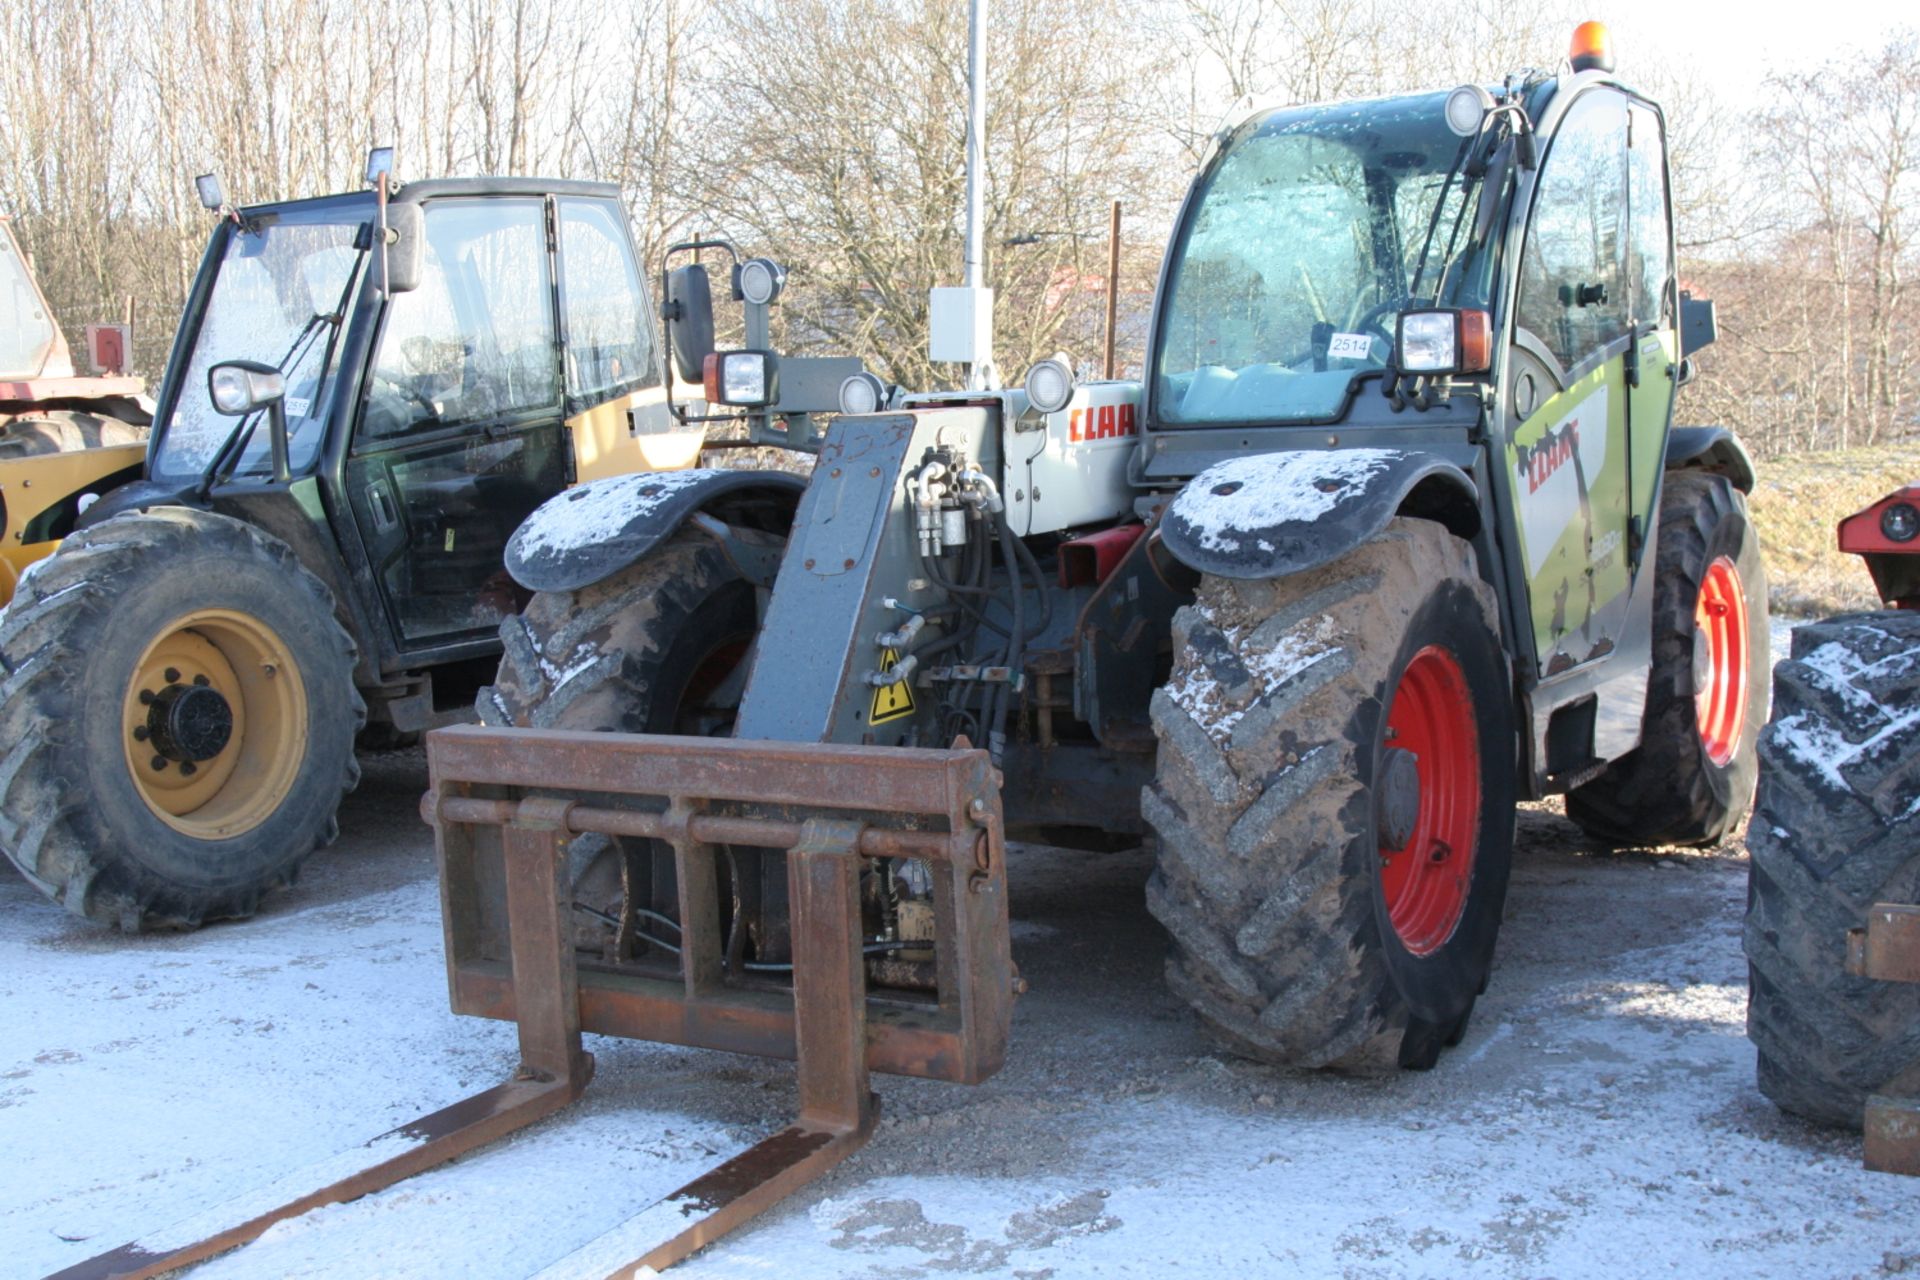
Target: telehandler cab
(1395,531)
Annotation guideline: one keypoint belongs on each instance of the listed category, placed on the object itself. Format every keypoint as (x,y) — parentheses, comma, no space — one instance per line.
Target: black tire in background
(659,647)
(1275,762)
(45,431)
(1690,781)
(178,715)
(1836,828)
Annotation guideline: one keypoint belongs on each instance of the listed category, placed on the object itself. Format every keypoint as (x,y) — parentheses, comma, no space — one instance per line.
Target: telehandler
(367,393)
(1394,531)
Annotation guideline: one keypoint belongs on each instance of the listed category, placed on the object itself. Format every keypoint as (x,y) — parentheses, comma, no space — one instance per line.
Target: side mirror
(406,247)
(1698,326)
(688,311)
(240,387)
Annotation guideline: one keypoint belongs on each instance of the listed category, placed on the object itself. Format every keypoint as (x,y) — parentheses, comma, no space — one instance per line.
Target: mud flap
(504,804)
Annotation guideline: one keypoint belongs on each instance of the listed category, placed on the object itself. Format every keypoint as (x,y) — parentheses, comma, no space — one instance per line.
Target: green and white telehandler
(1395,531)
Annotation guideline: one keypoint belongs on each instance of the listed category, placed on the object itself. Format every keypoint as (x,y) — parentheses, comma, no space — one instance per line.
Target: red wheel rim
(1720,660)
(1426,883)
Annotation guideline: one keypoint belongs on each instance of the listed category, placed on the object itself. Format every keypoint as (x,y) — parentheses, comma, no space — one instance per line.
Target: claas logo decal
(1102,422)
(1555,450)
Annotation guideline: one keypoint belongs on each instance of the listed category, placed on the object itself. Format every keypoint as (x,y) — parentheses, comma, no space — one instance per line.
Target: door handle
(381,506)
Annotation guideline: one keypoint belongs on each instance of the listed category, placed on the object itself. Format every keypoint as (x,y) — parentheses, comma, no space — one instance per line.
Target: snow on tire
(1836,828)
(604,657)
(1301,721)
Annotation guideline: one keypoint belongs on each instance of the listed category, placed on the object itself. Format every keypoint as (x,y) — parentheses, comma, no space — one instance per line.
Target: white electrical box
(1074,472)
(960,325)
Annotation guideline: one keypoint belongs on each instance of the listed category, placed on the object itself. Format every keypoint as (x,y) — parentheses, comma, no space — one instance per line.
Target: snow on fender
(594,530)
(1273,514)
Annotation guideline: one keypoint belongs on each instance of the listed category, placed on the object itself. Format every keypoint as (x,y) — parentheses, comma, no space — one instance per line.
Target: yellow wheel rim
(201,781)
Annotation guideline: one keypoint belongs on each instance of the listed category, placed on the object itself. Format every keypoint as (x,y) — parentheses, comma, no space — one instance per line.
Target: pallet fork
(505,804)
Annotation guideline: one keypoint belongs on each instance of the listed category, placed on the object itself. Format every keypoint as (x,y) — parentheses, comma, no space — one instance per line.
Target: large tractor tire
(659,647)
(656,648)
(1690,781)
(1334,804)
(44,431)
(1836,828)
(178,717)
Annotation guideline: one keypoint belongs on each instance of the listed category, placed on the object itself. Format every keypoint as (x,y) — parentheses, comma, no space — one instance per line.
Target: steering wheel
(1375,316)
(410,392)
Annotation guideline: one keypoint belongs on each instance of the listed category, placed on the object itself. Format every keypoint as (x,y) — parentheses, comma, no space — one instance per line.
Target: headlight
(862,393)
(1900,522)
(744,379)
(241,386)
(1429,342)
(760,280)
(1050,385)
(1466,107)
(1442,342)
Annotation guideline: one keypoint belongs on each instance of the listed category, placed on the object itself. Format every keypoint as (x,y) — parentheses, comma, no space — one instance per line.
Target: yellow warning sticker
(892,701)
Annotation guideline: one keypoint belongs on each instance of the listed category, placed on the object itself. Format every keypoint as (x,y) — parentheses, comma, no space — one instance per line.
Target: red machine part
(1887,536)
(1091,559)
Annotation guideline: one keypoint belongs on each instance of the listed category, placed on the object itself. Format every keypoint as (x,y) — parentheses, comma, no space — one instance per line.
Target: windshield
(280,297)
(1314,230)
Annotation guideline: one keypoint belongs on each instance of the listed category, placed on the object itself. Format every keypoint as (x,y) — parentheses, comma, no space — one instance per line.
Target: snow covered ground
(1600,1117)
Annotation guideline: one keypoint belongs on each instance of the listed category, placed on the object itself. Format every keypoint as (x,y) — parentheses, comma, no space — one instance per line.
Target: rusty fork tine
(553,1072)
(829,1027)
(837,1109)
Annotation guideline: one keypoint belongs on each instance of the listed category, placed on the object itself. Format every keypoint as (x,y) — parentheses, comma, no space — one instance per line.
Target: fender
(594,530)
(1711,449)
(138,495)
(1273,514)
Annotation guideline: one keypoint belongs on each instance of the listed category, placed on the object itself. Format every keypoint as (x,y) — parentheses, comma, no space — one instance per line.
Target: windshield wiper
(228,455)
(235,443)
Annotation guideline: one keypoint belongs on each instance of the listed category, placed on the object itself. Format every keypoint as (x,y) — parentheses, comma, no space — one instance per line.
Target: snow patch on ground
(1231,499)
(595,512)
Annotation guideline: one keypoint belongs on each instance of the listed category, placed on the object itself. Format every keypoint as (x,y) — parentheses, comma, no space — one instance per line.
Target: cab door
(1568,390)
(460,430)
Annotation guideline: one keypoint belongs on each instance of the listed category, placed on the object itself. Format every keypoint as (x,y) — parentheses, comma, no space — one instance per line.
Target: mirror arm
(277,427)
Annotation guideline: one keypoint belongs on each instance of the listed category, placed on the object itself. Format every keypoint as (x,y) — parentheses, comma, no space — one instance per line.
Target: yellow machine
(62,436)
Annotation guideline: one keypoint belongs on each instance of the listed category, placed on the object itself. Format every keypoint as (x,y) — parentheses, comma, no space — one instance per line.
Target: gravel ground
(1600,1116)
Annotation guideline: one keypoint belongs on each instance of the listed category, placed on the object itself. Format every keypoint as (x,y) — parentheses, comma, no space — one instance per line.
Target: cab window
(1575,293)
(475,341)
(602,304)
(1650,245)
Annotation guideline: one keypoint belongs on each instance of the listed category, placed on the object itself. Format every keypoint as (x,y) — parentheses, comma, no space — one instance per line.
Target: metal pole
(1113,282)
(976,144)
